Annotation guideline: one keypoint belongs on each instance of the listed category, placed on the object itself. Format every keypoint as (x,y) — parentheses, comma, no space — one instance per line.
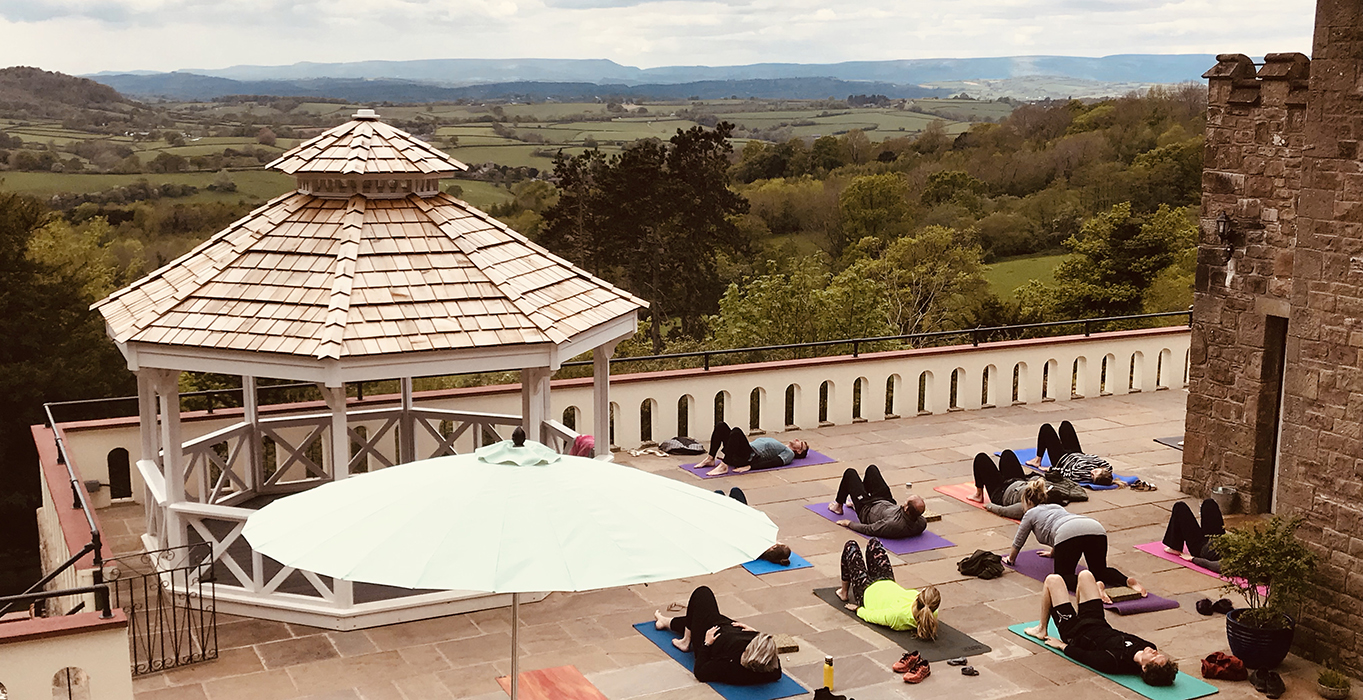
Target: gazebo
(365,272)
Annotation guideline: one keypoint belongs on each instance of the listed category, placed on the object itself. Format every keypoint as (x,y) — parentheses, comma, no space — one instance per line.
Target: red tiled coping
(48,627)
(75,529)
(388,399)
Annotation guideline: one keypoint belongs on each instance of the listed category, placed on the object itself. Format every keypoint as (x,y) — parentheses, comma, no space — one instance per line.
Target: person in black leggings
(877,511)
(742,455)
(726,651)
(1183,529)
(1068,456)
(996,479)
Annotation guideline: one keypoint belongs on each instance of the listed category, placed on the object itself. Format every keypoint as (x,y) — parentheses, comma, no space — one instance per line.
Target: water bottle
(828,672)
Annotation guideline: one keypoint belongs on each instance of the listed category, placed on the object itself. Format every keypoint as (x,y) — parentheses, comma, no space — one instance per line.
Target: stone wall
(1321,461)
(1283,163)
(1250,179)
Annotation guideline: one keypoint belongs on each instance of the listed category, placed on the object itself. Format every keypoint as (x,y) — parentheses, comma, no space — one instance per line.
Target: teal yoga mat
(757,567)
(784,688)
(1185,687)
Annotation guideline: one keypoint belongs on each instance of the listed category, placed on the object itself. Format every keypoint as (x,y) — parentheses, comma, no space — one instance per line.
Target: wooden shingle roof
(365,146)
(332,278)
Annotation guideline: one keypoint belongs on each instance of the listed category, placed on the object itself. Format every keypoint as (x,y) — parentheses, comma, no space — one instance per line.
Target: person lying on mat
(869,588)
(875,506)
(1068,456)
(1003,482)
(761,453)
(726,651)
(1183,529)
(1086,637)
(1070,537)
(778,553)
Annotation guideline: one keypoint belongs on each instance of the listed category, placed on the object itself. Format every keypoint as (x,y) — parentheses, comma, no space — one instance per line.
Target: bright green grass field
(1009,274)
(480,194)
(261,184)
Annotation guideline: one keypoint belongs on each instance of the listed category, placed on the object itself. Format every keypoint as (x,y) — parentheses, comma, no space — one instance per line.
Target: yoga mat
(810,459)
(950,642)
(962,492)
(757,567)
(1175,442)
(1157,549)
(1185,687)
(1027,453)
(903,545)
(558,683)
(1032,565)
(784,688)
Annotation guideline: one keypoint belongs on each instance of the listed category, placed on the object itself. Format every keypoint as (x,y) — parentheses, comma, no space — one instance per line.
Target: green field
(251,184)
(1009,274)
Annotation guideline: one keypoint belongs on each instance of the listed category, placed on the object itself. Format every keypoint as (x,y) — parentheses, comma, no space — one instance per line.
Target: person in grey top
(1070,537)
(762,453)
(875,506)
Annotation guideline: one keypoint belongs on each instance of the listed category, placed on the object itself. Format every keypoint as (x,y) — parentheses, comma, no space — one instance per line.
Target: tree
(1116,257)
(873,205)
(266,136)
(931,281)
(804,304)
(653,219)
(953,185)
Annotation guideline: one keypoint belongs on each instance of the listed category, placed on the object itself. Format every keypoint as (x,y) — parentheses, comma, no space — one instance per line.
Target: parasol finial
(518,437)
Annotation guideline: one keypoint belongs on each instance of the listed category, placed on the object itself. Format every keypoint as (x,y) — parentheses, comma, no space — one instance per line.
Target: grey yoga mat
(950,642)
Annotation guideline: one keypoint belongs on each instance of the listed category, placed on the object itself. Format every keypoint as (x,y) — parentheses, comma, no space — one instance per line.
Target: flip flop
(959,661)
(676,607)
(969,671)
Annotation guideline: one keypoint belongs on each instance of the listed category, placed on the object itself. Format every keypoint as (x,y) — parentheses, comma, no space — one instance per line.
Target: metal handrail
(977,336)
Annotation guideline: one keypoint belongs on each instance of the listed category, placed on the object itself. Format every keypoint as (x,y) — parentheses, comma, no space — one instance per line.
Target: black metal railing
(215,399)
(170,598)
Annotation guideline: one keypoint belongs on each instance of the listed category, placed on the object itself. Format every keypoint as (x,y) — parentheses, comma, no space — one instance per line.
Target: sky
(87,36)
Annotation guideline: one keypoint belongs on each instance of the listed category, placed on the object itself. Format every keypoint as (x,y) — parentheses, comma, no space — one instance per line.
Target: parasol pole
(515,649)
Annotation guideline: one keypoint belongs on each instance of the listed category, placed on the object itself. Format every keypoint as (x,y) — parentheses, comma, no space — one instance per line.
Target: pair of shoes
(959,661)
(1223,666)
(1139,485)
(918,673)
(907,662)
(969,671)
(1268,682)
(777,554)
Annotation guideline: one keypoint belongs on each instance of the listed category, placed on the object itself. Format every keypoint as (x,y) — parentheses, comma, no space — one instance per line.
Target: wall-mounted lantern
(1226,232)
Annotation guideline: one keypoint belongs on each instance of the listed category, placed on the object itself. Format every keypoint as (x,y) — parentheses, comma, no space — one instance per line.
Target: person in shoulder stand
(880,516)
(1086,637)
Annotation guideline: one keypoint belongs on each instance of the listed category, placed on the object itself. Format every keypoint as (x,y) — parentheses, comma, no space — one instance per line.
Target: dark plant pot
(1258,648)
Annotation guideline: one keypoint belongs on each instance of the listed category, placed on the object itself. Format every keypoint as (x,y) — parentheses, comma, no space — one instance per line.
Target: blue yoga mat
(784,688)
(1027,453)
(757,567)
(1185,687)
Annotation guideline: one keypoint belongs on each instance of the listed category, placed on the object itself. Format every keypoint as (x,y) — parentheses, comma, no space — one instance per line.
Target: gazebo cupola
(366,272)
(368,158)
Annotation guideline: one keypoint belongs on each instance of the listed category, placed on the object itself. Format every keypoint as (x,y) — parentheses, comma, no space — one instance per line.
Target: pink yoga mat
(1157,549)
(1034,566)
(962,492)
(903,545)
(809,460)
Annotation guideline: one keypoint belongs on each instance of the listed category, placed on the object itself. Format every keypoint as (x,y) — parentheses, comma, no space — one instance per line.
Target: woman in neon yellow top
(869,588)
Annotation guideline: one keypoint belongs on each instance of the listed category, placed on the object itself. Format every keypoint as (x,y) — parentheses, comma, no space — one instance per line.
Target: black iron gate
(171,604)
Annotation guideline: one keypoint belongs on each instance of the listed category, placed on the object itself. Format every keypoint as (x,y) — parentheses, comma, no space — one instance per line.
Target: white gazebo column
(340,434)
(601,400)
(407,425)
(146,415)
(534,401)
(255,467)
(173,454)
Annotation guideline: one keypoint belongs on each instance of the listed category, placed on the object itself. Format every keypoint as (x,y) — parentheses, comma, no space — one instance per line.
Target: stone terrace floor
(460,656)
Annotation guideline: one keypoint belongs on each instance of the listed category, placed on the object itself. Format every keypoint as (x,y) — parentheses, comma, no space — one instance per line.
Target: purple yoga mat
(809,460)
(902,545)
(1033,565)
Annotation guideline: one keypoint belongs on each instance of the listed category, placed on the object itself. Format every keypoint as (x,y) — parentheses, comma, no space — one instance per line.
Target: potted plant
(1267,565)
(1332,684)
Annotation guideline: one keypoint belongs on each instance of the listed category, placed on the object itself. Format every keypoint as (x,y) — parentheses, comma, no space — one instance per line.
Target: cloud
(95,35)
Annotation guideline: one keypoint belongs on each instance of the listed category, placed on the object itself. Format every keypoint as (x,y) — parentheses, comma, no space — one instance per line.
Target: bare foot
(661,621)
(721,469)
(1182,554)
(1102,593)
(978,498)
(681,644)
(707,462)
(1137,587)
(842,594)
(740,470)
(835,508)
(1037,632)
(1034,462)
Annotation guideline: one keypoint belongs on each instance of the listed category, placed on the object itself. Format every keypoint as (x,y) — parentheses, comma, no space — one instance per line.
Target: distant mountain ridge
(1147,68)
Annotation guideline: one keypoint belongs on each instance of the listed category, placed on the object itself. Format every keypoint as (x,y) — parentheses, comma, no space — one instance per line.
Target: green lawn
(1006,275)
(480,194)
(260,184)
